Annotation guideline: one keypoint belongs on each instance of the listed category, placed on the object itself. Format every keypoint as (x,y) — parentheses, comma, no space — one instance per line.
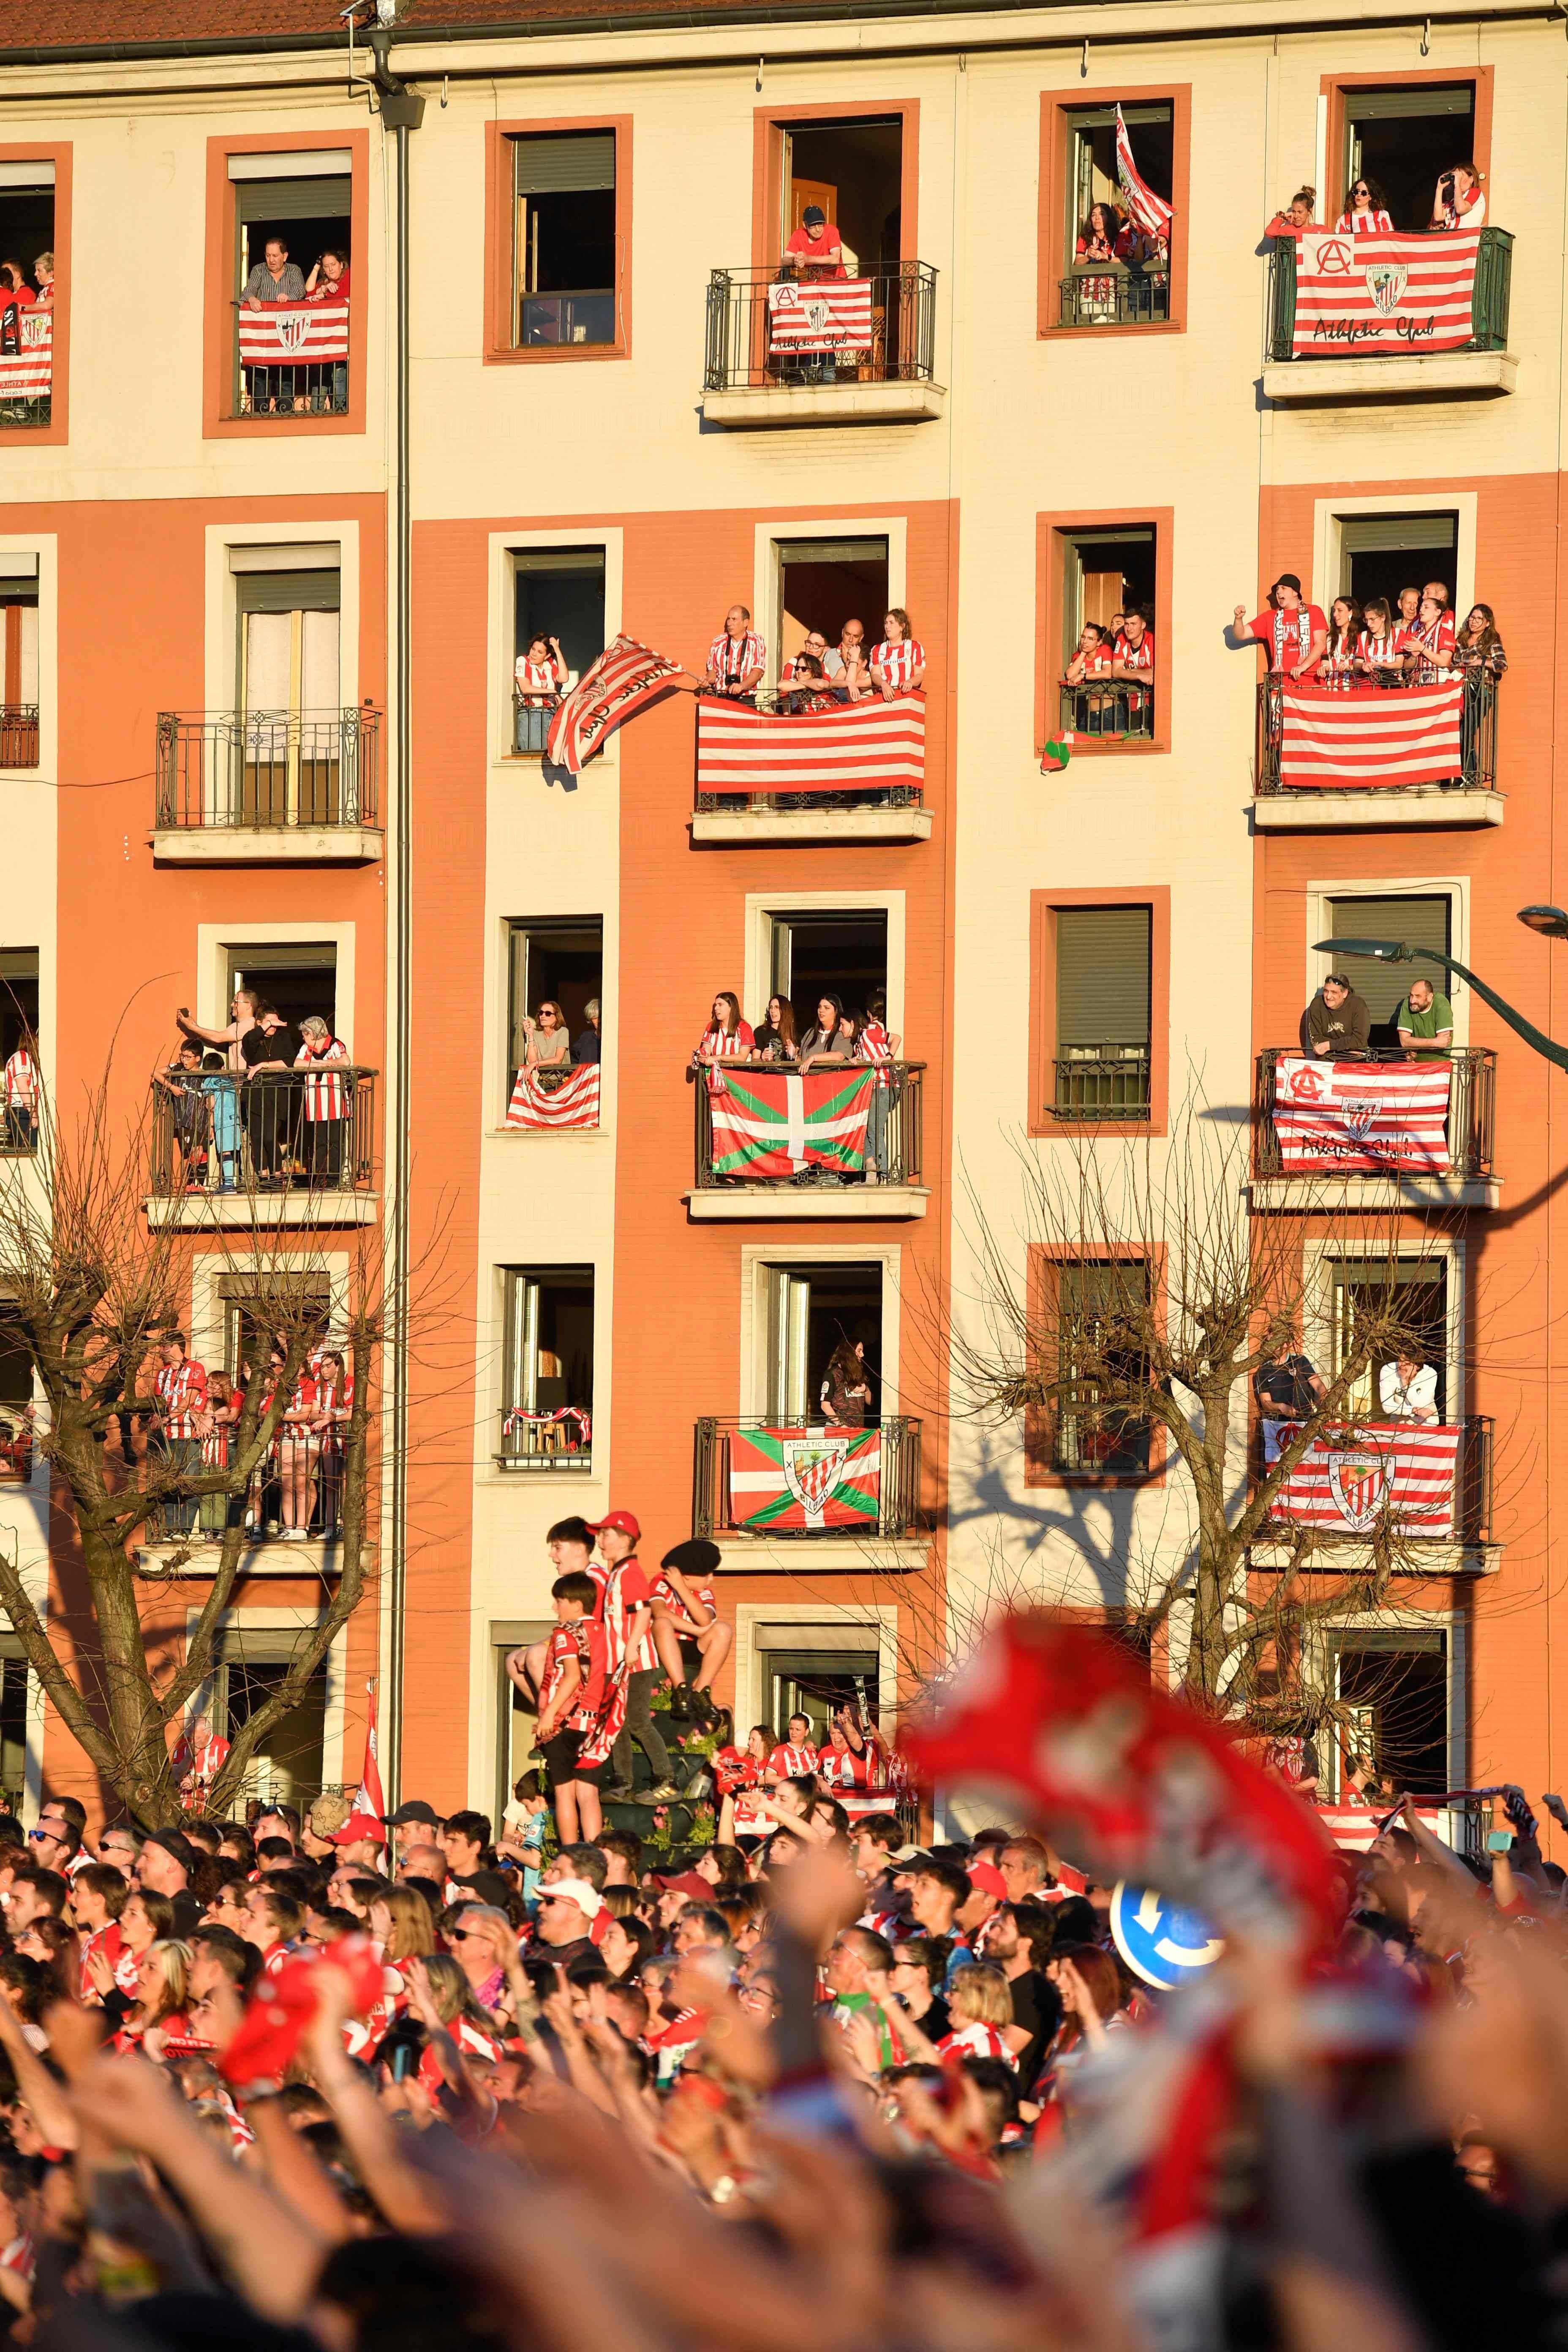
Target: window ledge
(826,404)
(753,829)
(552,1135)
(239,1212)
(1331,811)
(1429,1557)
(268,844)
(741,1555)
(800,1204)
(267,1556)
(1323,1194)
(1375,379)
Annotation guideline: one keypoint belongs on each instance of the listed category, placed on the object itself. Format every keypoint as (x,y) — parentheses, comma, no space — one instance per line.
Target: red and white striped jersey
(537,681)
(335,1396)
(325,1095)
(195,1767)
(1364,224)
(471,2040)
(1435,647)
(22,1079)
(626,1590)
(183,1390)
(1381,651)
(842,1769)
(1134,656)
(665,1592)
(895,665)
(19,2256)
(975,2041)
(793,1763)
(726,1044)
(733,659)
(583,1641)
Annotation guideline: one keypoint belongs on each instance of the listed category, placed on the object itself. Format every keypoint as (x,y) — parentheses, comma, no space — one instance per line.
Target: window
(1420,922)
(559,591)
(817,1683)
(1380,554)
(18,660)
(286,1767)
(1107,577)
(1415,1290)
(1102,1334)
(564,239)
(14,1712)
(811,1311)
(854,171)
(291,224)
(1402,136)
(547,1369)
(1133,288)
(250,1325)
(556,960)
(298,979)
(822,584)
(1104,980)
(840,953)
(1391,1683)
(290,741)
(27,328)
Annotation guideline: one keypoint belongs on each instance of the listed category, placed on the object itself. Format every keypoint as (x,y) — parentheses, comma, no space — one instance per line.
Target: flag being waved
(370,1797)
(1152,213)
(624,680)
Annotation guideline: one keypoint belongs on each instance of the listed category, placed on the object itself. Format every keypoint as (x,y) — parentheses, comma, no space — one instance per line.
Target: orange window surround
(53,433)
(1053,535)
(500,229)
(1043,908)
(1056,107)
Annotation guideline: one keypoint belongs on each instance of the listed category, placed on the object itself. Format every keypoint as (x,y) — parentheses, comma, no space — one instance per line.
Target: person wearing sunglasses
(564,1920)
(1366,212)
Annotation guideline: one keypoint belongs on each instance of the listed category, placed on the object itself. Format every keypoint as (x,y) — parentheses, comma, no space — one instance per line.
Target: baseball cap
(695,1557)
(814,216)
(623,1522)
(175,1842)
(576,1890)
(357,1826)
(688,1882)
(416,1809)
(986,1879)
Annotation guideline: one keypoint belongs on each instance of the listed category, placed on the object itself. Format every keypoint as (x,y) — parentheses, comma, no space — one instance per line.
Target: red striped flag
(855,747)
(1152,213)
(624,680)
(371,1797)
(293,334)
(1362,1118)
(1395,1473)
(573,1103)
(27,372)
(827,314)
(1385,741)
(1383,293)
(769,1123)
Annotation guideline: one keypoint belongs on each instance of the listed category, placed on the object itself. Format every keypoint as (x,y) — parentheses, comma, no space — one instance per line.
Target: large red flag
(624,680)
(370,1797)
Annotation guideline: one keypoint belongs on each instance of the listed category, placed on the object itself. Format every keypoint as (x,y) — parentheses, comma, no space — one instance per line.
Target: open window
(1096,1313)
(813,1311)
(27,328)
(1382,554)
(1421,921)
(1104,987)
(14,1714)
(18,659)
(547,1369)
(1402,137)
(853,171)
(19,1072)
(291,216)
(515,1723)
(292,737)
(823,584)
(565,251)
(834,952)
(1392,1687)
(813,1671)
(249,1327)
(1132,285)
(558,592)
(298,979)
(1107,577)
(1413,1289)
(552,960)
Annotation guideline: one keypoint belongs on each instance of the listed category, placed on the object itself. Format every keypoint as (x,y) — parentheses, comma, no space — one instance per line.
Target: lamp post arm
(1535,1038)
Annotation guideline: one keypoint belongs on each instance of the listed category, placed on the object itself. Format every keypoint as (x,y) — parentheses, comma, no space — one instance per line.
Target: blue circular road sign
(1162,1944)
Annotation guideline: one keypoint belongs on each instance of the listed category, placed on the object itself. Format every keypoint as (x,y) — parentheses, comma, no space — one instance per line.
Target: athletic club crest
(1361,1485)
(1385,282)
(817,314)
(1360,1115)
(292,331)
(813,1467)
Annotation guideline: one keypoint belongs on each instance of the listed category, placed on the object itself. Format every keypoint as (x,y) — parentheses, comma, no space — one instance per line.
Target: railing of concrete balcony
(1419,1481)
(767,329)
(1380,762)
(1108,711)
(301,1132)
(558,1440)
(1405,1130)
(766,1124)
(18,734)
(226,770)
(797,1481)
(1111,294)
(1094,1082)
(1489,305)
(772,753)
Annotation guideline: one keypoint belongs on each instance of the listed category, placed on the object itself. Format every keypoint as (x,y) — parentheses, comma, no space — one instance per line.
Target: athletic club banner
(294,334)
(769,1124)
(831,315)
(1377,742)
(573,1103)
(1371,295)
(624,680)
(27,372)
(859,746)
(1362,1118)
(1393,1473)
(805,1478)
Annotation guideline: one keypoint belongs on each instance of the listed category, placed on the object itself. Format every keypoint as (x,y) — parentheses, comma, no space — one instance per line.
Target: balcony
(848,351)
(291,360)
(268,788)
(560,1443)
(18,734)
(280,1149)
(1113,295)
(187,1539)
(776,1144)
(807,1488)
(26,373)
(1331,761)
(768,772)
(1419,1492)
(1380,1134)
(1373,349)
(1112,714)
(1095,1083)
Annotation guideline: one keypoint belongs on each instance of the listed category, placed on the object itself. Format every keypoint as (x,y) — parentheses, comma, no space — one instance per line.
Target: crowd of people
(298,1490)
(1457,202)
(839,1033)
(1365,648)
(259,1104)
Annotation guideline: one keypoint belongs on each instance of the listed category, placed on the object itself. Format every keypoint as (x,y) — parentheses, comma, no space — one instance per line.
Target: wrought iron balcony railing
(558,1440)
(302,1132)
(1488,303)
(18,734)
(746,1136)
(1475,770)
(800,1480)
(750,350)
(1468,1124)
(1101,294)
(226,771)
(1375,1476)
(1096,1082)
(1109,711)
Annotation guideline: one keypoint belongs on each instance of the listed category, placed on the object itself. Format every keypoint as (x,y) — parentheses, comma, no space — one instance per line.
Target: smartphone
(402,2062)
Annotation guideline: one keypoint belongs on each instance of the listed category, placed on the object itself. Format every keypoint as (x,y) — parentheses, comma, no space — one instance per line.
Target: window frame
(521,926)
(57,430)
(511,1276)
(218,421)
(1043,1287)
(768,125)
(1054,534)
(1043,908)
(1331,91)
(1056,144)
(500,350)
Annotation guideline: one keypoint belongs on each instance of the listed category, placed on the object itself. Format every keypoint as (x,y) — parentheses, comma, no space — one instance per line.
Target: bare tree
(92,1286)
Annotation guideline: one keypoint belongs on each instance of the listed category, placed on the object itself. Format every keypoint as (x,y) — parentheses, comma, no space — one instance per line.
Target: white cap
(576,1890)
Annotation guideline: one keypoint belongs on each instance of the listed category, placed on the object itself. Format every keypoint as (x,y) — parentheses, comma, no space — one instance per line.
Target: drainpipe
(401,111)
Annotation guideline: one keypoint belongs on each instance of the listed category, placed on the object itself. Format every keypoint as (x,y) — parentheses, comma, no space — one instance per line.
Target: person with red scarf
(1294,633)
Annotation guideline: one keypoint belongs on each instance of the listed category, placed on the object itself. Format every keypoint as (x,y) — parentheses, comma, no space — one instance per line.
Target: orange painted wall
(1516,1343)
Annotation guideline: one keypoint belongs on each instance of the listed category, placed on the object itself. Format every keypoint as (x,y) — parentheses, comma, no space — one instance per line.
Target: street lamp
(1552,922)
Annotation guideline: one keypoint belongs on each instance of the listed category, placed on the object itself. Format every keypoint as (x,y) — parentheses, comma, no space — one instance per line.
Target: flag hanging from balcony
(1362,1118)
(1386,742)
(573,1103)
(624,680)
(1152,213)
(1368,296)
(293,334)
(781,1478)
(370,1797)
(769,1124)
(1389,1474)
(827,314)
(855,747)
(26,372)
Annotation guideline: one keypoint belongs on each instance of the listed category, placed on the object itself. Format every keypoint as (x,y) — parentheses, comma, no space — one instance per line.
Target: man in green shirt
(1426,1022)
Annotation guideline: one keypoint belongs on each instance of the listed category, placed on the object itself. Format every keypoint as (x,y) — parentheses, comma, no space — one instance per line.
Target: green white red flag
(769,1124)
(806,1478)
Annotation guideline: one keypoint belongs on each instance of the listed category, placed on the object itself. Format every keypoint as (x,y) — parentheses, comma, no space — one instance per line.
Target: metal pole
(1396,951)
(401,1011)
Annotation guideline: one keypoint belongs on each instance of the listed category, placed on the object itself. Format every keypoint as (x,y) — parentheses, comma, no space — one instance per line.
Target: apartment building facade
(558,399)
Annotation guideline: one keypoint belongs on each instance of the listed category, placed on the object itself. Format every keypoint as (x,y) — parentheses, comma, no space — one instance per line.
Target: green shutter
(287,200)
(1103,976)
(288,592)
(1410,102)
(1419,922)
(1396,533)
(548,165)
(833,551)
